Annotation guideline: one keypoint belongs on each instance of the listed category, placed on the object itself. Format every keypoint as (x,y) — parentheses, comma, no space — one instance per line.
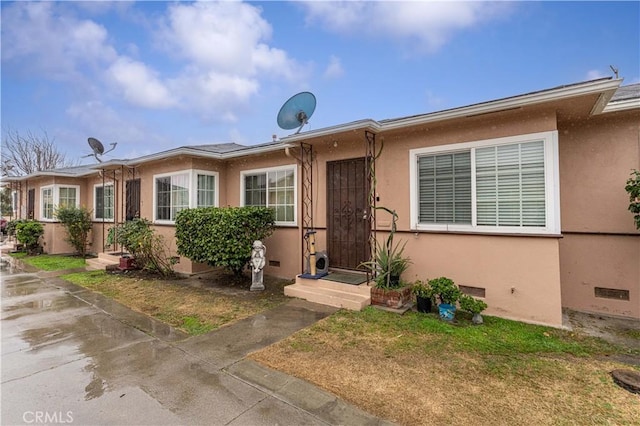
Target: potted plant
(448,294)
(474,306)
(424,294)
(387,267)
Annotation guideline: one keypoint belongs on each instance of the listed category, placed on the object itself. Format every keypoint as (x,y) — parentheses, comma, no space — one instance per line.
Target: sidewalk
(81,358)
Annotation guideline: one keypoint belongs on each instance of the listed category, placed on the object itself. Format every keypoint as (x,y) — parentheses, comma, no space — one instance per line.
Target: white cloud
(428,25)
(227,37)
(226,48)
(334,68)
(51,43)
(139,84)
(596,74)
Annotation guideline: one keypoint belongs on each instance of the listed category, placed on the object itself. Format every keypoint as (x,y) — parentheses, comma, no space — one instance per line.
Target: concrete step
(110,257)
(98,263)
(328,296)
(363,289)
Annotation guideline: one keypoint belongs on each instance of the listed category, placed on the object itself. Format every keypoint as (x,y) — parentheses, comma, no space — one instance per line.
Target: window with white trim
(499,185)
(273,187)
(103,202)
(46,197)
(181,190)
(15,196)
(54,196)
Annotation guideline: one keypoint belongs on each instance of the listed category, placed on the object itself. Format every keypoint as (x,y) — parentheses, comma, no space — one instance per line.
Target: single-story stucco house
(519,200)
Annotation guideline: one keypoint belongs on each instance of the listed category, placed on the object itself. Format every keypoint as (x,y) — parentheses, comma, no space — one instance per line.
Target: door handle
(364,215)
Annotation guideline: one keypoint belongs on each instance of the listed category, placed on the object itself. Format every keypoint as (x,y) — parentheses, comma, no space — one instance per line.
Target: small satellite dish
(297,111)
(98,148)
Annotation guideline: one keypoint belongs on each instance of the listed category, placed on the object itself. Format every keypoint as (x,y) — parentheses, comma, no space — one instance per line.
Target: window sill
(285,225)
(481,233)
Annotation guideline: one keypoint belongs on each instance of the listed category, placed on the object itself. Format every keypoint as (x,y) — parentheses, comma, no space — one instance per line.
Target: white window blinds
(510,185)
(445,188)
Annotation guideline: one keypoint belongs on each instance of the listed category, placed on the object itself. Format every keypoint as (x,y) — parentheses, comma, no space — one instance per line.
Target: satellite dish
(297,111)
(98,148)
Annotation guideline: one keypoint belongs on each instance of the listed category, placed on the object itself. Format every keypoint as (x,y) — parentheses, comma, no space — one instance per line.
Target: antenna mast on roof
(615,70)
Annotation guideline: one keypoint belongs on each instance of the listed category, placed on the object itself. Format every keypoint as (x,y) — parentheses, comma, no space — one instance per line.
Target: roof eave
(605,88)
(47,174)
(366,124)
(205,154)
(622,105)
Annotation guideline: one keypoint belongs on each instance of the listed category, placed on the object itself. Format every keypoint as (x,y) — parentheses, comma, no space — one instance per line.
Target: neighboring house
(519,200)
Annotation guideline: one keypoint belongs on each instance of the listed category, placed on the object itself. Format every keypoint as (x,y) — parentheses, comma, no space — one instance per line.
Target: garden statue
(258,261)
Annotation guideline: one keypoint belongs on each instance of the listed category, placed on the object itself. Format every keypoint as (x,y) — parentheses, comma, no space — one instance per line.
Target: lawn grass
(195,310)
(415,369)
(51,262)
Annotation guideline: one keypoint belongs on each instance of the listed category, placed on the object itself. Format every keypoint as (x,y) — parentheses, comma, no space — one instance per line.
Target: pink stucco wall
(600,245)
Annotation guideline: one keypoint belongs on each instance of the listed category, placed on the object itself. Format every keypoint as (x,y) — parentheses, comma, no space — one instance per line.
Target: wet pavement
(71,356)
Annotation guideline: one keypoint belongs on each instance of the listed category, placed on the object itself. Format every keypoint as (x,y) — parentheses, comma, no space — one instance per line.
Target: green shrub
(471,304)
(422,289)
(28,232)
(222,236)
(633,189)
(77,222)
(145,246)
(445,289)
(12,226)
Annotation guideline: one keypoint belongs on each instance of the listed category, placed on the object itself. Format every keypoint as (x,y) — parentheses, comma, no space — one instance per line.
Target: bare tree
(30,153)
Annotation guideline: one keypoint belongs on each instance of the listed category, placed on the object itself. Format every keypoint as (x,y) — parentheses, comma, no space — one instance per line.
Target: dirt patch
(617,330)
(223,281)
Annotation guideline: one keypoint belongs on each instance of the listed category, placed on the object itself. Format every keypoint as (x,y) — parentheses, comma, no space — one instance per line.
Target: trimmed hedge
(222,236)
(28,232)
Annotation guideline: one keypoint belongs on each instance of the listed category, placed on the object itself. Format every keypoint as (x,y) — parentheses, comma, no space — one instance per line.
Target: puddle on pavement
(11,266)
(22,285)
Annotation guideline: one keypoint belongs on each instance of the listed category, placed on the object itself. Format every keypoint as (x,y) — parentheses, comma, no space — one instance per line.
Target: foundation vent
(472,291)
(275,263)
(611,293)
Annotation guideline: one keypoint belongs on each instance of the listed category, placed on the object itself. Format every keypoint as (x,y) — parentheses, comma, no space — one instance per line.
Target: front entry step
(331,293)
(102,261)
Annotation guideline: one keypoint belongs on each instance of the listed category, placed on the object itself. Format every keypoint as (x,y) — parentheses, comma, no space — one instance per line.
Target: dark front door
(31,203)
(133,198)
(347,213)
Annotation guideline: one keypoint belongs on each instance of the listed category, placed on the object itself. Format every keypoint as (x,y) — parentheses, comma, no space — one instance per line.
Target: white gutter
(622,105)
(205,154)
(509,103)
(367,124)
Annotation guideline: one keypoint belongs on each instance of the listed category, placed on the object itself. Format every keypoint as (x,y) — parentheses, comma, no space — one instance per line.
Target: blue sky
(158,75)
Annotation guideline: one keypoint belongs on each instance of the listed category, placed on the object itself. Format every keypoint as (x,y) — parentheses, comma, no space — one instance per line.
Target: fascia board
(367,124)
(622,105)
(46,174)
(203,154)
(510,103)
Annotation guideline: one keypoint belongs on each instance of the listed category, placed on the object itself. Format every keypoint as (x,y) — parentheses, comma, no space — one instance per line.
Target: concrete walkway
(70,356)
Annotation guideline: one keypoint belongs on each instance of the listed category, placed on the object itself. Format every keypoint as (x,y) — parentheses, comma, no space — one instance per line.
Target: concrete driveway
(70,356)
